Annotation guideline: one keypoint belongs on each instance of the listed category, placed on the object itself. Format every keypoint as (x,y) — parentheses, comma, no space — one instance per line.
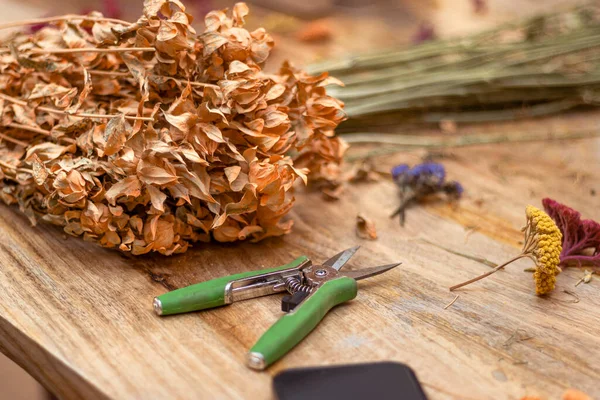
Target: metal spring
(293,285)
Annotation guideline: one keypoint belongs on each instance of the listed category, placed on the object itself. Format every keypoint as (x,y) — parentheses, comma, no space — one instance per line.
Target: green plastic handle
(207,294)
(291,328)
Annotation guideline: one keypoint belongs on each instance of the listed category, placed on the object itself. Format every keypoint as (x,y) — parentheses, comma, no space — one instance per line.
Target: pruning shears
(312,291)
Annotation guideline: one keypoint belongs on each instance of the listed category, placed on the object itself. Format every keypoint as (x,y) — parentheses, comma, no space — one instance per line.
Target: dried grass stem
(59,18)
(13,140)
(76,114)
(36,130)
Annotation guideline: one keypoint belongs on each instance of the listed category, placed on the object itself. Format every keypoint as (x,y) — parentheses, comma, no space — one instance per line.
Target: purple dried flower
(429,172)
(421,181)
(399,170)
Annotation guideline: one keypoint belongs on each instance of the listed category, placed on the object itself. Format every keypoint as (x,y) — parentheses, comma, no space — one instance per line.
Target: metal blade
(340,259)
(369,272)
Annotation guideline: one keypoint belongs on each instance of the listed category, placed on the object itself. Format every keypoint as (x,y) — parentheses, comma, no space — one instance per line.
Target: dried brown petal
(155,175)
(40,172)
(365,228)
(157,198)
(130,186)
(48,90)
(115,135)
(46,151)
(87,89)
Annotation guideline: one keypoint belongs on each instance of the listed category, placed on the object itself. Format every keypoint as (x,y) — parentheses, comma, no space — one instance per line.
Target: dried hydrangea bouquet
(147,136)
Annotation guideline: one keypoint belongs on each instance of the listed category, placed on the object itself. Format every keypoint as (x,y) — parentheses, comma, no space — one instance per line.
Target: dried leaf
(276,91)
(155,175)
(46,151)
(115,134)
(212,132)
(365,228)
(40,172)
(157,198)
(212,42)
(24,116)
(47,90)
(87,89)
(247,204)
(130,186)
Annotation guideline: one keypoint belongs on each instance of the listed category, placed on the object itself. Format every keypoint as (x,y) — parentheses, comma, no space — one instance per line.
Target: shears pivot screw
(321,273)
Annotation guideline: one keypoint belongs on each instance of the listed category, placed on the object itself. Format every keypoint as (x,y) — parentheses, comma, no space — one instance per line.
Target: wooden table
(79,318)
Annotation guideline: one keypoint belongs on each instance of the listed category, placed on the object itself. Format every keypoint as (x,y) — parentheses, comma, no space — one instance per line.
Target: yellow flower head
(543,244)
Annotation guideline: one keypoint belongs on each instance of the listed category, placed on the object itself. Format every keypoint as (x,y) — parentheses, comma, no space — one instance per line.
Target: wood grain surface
(79,318)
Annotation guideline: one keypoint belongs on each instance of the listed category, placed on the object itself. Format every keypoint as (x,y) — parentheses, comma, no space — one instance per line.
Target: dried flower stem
(29,128)
(401,210)
(128,75)
(13,140)
(528,247)
(86,50)
(7,165)
(200,84)
(92,115)
(68,17)
(109,73)
(63,112)
(13,99)
(37,130)
(14,168)
(499,267)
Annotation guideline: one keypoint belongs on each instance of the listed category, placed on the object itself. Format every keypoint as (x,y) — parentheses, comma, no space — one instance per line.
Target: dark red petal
(579,236)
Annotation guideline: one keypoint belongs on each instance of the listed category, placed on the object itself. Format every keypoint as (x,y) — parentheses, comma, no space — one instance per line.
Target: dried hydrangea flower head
(146,136)
(542,244)
(421,181)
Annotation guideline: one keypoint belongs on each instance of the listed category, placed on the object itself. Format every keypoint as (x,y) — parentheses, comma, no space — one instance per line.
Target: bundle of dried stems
(539,66)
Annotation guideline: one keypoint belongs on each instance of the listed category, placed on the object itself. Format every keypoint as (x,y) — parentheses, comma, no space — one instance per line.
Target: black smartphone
(374,381)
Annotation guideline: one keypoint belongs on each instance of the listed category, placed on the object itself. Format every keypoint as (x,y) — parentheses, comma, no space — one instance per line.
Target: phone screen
(375,381)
